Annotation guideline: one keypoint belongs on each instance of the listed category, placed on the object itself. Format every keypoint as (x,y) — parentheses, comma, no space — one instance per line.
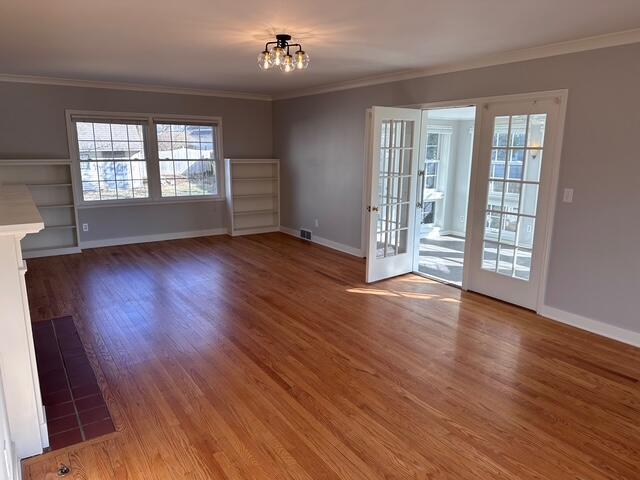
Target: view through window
(115,158)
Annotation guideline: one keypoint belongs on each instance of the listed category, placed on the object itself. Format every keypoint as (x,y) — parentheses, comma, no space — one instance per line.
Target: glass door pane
(512,199)
(396,158)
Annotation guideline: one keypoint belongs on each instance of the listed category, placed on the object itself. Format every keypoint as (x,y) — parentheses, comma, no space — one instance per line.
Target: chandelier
(278,54)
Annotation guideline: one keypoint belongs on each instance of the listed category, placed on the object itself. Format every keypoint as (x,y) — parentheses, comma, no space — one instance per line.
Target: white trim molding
(594,326)
(160,237)
(341,247)
(625,37)
(136,87)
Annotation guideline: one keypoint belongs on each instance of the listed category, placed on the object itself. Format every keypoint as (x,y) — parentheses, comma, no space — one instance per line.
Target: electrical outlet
(461,218)
(85,227)
(317,224)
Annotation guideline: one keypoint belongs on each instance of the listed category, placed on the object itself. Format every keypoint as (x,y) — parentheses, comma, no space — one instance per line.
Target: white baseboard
(341,247)
(253,231)
(594,326)
(110,242)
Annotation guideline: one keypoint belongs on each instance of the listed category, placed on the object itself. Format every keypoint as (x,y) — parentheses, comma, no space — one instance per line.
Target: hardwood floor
(264,357)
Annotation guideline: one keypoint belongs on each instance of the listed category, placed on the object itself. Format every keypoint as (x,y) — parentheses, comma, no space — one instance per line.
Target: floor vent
(305,234)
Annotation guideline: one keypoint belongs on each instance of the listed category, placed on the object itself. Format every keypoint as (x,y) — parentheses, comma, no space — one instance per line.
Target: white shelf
(50,183)
(256,212)
(253,195)
(70,205)
(256,195)
(255,179)
(59,227)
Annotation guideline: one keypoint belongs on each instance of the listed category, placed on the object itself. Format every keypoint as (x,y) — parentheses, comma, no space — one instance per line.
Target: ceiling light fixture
(278,54)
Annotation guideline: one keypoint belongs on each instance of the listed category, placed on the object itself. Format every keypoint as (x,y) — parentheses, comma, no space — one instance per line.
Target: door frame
(556,155)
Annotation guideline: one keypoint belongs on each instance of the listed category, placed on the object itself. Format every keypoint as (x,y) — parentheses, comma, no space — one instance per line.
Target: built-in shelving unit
(253,195)
(50,183)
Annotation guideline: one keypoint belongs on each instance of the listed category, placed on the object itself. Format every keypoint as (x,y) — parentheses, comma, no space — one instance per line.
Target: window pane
(532,166)
(537,124)
(523,264)
(505,259)
(90,191)
(489,256)
(500,131)
(529,199)
(206,151)
(88,171)
(193,151)
(124,189)
(178,133)
(210,180)
(108,190)
(105,151)
(518,130)
(164,150)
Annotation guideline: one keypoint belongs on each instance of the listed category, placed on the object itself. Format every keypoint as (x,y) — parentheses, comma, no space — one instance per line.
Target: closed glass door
(514,194)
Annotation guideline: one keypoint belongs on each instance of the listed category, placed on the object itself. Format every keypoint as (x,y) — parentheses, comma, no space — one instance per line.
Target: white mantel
(18,372)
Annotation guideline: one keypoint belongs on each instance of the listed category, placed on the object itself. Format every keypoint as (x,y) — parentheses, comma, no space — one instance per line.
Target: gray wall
(595,264)
(32,125)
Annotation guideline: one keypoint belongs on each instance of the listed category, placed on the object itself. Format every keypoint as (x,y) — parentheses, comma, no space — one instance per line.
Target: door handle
(421,174)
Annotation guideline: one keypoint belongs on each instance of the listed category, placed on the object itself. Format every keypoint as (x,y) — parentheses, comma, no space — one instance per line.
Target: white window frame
(151,153)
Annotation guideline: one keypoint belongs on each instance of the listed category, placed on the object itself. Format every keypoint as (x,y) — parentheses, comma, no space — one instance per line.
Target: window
(187,159)
(141,157)
(437,150)
(112,160)
(433,160)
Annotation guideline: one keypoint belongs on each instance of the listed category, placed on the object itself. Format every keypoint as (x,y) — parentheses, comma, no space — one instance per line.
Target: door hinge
(420,173)
(372,209)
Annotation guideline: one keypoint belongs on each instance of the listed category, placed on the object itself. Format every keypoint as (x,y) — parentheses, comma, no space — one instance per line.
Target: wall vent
(305,234)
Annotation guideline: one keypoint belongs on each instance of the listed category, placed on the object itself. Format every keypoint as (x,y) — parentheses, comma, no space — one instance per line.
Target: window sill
(148,202)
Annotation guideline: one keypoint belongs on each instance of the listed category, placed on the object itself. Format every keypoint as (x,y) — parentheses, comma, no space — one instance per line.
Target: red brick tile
(62,424)
(96,429)
(85,390)
(61,396)
(93,415)
(90,402)
(65,439)
(59,410)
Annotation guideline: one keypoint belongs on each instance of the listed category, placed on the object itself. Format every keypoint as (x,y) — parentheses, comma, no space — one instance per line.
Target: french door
(393,165)
(513,197)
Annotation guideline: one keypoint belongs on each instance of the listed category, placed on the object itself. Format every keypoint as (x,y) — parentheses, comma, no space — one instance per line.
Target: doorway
(471,206)
(443,192)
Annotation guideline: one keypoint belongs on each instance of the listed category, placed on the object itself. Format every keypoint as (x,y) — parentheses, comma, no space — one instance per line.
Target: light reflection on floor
(442,256)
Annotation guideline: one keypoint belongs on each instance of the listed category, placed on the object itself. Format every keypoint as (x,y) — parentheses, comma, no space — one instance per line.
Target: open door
(395,139)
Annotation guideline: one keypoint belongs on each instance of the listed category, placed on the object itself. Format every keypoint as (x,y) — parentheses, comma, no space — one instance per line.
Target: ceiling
(211,44)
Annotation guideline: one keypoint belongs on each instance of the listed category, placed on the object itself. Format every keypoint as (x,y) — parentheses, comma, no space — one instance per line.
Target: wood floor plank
(265,357)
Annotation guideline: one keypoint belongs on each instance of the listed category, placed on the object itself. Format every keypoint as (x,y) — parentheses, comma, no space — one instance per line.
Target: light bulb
(301,59)
(264,60)
(277,55)
(287,64)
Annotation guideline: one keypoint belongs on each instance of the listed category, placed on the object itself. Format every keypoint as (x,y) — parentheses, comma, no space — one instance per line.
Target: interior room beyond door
(443,192)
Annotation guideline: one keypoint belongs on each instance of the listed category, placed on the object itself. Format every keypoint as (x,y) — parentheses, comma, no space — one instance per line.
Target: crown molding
(573,46)
(137,87)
